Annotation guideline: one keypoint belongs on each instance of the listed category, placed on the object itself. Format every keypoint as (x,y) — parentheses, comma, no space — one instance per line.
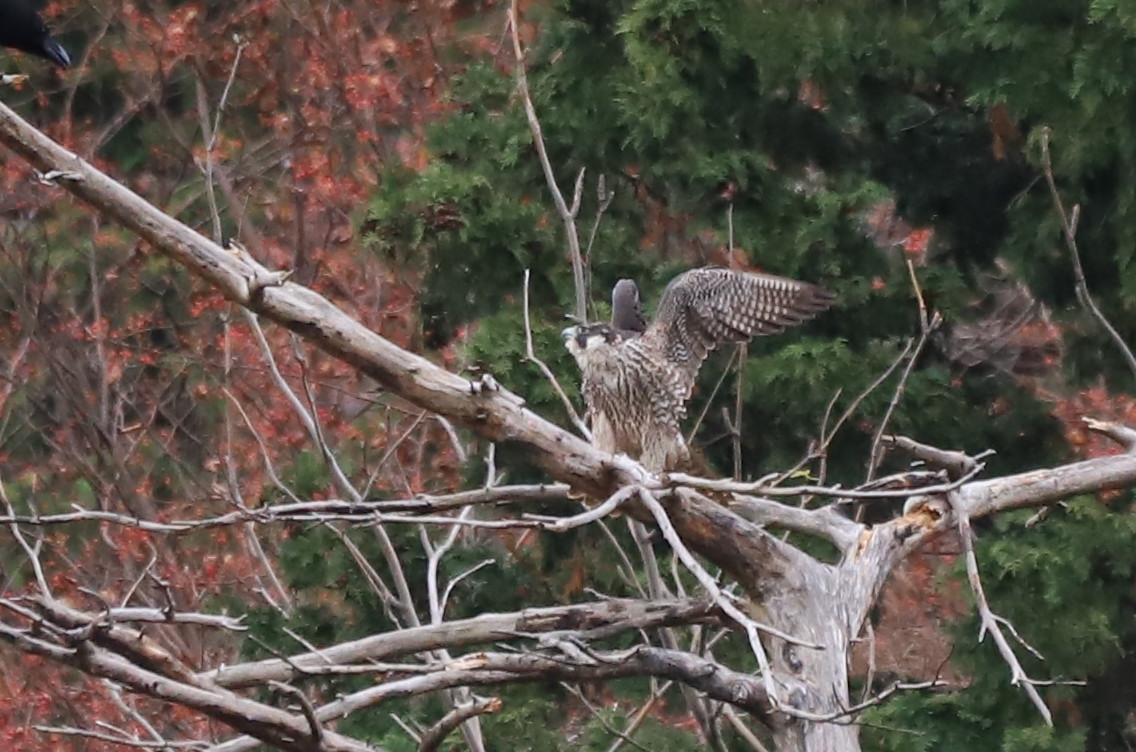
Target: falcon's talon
(55,177)
(484,383)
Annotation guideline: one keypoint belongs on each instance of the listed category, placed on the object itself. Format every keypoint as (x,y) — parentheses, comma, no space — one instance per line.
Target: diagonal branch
(278,728)
(494,413)
(530,355)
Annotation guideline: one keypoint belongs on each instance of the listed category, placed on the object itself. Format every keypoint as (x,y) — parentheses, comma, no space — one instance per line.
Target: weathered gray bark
(479,630)
(789,590)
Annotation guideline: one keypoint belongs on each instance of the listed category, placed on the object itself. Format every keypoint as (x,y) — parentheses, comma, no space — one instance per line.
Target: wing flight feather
(704,308)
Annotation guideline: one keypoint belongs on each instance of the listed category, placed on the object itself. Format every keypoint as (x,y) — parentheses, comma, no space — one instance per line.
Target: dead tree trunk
(813,607)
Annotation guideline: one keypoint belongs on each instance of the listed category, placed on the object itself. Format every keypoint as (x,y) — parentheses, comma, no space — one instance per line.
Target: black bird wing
(21,28)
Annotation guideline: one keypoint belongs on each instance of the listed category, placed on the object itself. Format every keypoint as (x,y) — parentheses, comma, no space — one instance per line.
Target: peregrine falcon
(638,377)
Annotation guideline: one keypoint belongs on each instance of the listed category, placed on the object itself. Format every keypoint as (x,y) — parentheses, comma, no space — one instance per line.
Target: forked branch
(990,621)
(567,213)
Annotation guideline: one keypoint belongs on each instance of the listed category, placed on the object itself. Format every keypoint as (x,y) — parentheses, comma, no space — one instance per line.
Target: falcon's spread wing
(637,378)
(704,308)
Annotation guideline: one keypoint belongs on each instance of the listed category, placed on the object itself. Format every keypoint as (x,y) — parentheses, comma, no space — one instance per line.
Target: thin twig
(32,552)
(710,400)
(990,622)
(160,744)
(927,325)
(210,135)
(621,737)
(827,436)
(637,718)
(1069,231)
(567,214)
(604,198)
(742,357)
(530,355)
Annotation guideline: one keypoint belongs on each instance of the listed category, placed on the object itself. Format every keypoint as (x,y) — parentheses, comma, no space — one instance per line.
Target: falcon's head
(588,338)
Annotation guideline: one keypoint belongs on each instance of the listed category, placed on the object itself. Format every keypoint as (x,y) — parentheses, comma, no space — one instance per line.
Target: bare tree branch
(434,736)
(567,214)
(1121,434)
(140,616)
(308,511)
(957,464)
(825,522)
(306,706)
(1069,232)
(877,489)
(590,620)
(1041,487)
(487,669)
(991,622)
(490,669)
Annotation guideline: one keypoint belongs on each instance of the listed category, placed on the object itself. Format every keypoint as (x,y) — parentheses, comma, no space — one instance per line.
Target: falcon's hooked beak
(584,338)
(570,338)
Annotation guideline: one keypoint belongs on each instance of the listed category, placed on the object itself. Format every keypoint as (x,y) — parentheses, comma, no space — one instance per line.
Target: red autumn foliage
(128,387)
(1095,402)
